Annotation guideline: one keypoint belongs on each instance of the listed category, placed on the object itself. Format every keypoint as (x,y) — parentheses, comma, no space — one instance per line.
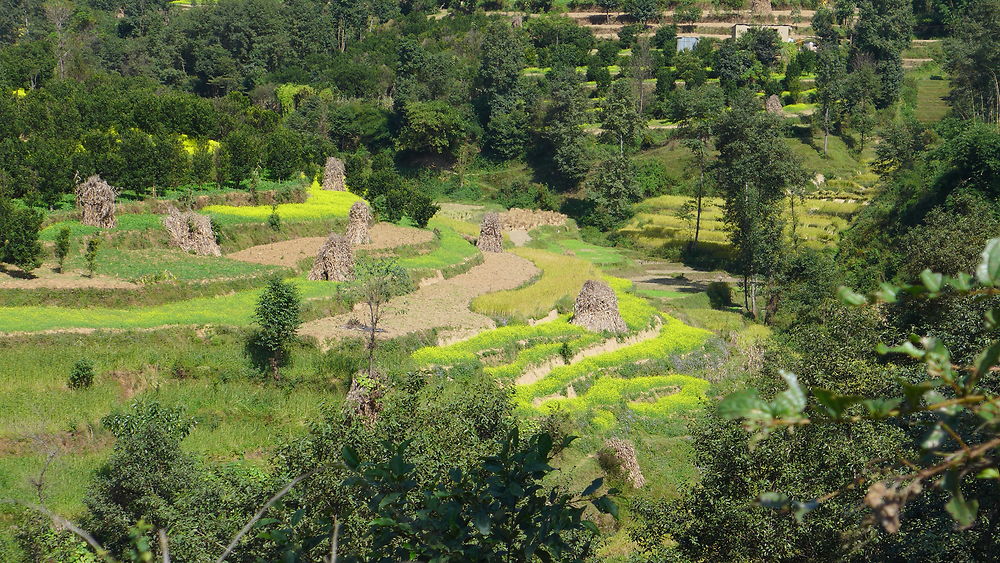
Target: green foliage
(61,249)
(376,281)
(19,242)
(753,170)
(956,398)
(498,509)
(612,193)
(90,255)
(434,127)
(620,116)
(278,316)
(274,220)
(720,295)
(82,375)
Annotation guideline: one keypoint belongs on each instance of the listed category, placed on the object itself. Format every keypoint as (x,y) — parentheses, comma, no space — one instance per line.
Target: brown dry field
(442,305)
(289,253)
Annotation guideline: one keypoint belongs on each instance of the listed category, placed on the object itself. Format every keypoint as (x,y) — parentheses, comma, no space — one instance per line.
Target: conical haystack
(364,398)
(96,199)
(335,260)
(623,456)
(192,232)
(490,234)
(333,174)
(773,104)
(359,220)
(596,308)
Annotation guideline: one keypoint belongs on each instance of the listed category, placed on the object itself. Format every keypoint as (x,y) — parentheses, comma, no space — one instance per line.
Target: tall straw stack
(333,174)
(623,455)
(96,199)
(192,232)
(335,260)
(596,308)
(359,221)
(490,234)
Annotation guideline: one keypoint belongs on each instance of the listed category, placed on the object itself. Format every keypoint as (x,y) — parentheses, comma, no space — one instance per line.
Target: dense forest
(798,226)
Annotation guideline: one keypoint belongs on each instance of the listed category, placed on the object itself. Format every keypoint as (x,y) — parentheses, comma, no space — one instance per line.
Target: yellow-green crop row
(562,277)
(502,337)
(235,310)
(320,204)
(612,391)
(674,337)
(540,353)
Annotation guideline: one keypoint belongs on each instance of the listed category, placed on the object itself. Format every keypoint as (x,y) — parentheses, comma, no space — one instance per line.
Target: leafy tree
(376,282)
(620,116)
(698,110)
(830,73)
(882,32)
(278,316)
(737,67)
(972,57)
(687,12)
(239,155)
(764,44)
(753,170)
(501,61)
(608,6)
(497,511)
(952,404)
(563,129)
(434,127)
(864,119)
(643,10)
(690,69)
(90,255)
(19,227)
(612,193)
(62,246)
(145,476)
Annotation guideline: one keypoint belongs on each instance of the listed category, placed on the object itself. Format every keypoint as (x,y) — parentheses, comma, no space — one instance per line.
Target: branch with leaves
(959,415)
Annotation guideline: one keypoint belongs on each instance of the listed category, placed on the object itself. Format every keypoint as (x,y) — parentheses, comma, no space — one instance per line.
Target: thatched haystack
(364,398)
(192,232)
(359,220)
(620,455)
(96,199)
(333,174)
(596,308)
(760,8)
(335,260)
(490,234)
(773,104)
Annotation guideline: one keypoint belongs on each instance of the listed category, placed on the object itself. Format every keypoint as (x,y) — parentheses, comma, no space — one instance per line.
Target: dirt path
(288,253)
(444,304)
(538,372)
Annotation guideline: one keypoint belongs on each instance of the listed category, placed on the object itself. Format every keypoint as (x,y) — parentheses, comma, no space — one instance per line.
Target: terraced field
(819,217)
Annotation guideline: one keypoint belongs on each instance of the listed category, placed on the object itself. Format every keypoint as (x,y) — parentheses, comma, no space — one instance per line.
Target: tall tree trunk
(826,128)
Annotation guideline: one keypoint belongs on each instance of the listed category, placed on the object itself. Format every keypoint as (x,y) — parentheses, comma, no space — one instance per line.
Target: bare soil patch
(289,253)
(46,277)
(442,305)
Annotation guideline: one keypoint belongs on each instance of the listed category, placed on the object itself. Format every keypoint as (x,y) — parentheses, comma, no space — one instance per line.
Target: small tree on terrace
(277,314)
(376,282)
(19,228)
(62,247)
